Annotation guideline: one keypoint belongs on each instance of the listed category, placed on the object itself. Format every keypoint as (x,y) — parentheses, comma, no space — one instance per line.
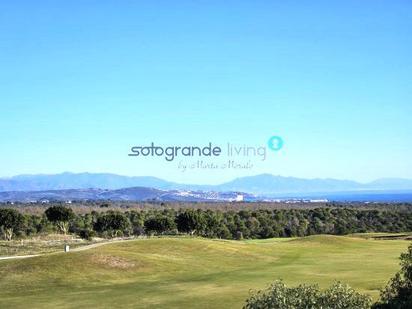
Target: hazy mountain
(126,194)
(79,181)
(264,184)
(390,184)
(270,184)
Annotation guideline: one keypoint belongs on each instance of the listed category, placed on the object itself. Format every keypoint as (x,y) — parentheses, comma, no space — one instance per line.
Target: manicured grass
(193,272)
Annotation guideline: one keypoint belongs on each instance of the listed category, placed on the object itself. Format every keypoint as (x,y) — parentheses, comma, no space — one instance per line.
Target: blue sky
(83,81)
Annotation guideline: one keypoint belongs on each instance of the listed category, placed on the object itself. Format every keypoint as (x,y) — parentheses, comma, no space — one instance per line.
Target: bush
(279,296)
(160,224)
(112,224)
(398,292)
(87,234)
(11,223)
(60,216)
(138,230)
(191,221)
(343,296)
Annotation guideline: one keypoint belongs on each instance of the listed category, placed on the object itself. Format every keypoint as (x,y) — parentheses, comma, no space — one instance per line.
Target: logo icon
(275,143)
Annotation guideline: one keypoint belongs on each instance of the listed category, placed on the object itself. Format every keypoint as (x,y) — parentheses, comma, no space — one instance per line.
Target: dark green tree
(11,222)
(113,223)
(191,221)
(160,224)
(60,216)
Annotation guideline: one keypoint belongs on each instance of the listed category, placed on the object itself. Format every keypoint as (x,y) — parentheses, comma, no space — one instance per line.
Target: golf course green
(193,272)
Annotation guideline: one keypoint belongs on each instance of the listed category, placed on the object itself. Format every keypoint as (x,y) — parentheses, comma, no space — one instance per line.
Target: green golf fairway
(193,272)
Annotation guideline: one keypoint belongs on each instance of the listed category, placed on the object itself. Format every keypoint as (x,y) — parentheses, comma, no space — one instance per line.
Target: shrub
(160,224)
(87,234)
(60,216)
(11,222)
(398,292)
(279,296)
(113,224)
(191,221)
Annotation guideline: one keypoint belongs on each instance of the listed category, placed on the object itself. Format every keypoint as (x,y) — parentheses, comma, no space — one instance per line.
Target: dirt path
(19,257)
(98,244)
(82,248)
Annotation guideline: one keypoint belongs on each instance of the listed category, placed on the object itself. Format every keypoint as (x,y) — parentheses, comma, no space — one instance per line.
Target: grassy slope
(192,272)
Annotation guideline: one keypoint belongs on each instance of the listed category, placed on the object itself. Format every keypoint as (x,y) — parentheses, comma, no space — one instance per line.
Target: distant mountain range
(126,194)
(264,184)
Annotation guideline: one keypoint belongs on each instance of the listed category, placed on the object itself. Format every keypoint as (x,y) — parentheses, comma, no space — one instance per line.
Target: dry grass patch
(112,261)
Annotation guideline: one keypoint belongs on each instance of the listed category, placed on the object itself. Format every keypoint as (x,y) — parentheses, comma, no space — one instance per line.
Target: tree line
(252,224)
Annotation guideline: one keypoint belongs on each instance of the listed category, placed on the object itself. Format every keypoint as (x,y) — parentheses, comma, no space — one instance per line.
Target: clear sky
(83,81)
